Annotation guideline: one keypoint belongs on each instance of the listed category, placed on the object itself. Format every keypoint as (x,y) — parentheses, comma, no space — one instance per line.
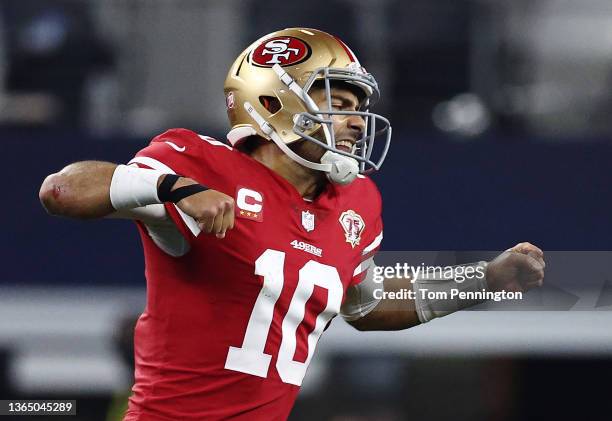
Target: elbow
(78,191)
(50,195)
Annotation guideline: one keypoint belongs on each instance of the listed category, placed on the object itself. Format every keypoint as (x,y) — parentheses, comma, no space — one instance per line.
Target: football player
(252,247)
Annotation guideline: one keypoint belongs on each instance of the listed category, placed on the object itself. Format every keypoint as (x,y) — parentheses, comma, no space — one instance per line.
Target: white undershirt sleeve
(160,228)
(360,299)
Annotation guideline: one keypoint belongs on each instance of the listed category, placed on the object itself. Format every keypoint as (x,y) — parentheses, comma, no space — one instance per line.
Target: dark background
(502,134)
(486,195)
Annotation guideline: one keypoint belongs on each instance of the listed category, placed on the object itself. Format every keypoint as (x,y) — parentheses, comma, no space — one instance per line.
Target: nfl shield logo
(308,221)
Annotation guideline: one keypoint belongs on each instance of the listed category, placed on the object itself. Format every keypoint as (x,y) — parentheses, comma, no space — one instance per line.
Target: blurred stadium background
(502,133)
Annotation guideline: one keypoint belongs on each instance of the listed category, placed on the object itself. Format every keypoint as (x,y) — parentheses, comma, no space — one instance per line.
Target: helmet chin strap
(343,168)
(306,99)
(339,169)
(269,131)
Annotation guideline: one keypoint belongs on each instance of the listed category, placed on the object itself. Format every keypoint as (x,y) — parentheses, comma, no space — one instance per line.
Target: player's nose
(357,125)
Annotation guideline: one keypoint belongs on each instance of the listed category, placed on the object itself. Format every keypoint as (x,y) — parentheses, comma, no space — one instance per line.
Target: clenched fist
(213,210)
(518,269)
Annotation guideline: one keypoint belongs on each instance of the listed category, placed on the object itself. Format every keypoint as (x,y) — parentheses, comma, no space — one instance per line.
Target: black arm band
(166,194)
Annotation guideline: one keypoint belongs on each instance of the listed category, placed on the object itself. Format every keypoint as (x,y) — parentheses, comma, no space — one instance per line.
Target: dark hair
(340,84)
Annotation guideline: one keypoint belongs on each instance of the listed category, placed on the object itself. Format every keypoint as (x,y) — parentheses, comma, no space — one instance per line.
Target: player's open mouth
(345,146)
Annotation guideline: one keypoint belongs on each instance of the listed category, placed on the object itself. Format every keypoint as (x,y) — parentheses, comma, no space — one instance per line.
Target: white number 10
(250,357)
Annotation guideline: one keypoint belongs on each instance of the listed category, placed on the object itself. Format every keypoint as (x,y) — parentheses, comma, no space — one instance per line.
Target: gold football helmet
(284,66)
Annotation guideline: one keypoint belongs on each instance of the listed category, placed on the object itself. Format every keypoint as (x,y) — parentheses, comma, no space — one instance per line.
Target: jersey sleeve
(181,152)
(372,237)
(360,298)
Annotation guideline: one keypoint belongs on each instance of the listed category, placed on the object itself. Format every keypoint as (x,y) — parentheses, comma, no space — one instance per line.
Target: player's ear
(270,103)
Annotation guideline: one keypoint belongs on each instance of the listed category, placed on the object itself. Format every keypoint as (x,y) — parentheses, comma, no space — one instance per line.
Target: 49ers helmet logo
(285,51)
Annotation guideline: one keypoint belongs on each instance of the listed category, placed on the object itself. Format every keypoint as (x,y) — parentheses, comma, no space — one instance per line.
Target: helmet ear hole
(270,103)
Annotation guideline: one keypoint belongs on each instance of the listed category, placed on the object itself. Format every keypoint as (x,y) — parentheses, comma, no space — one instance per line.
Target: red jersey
(230,327)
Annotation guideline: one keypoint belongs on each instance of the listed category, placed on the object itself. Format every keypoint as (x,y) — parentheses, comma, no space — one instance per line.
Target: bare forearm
(396,314)
(80,190)
(518,269)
